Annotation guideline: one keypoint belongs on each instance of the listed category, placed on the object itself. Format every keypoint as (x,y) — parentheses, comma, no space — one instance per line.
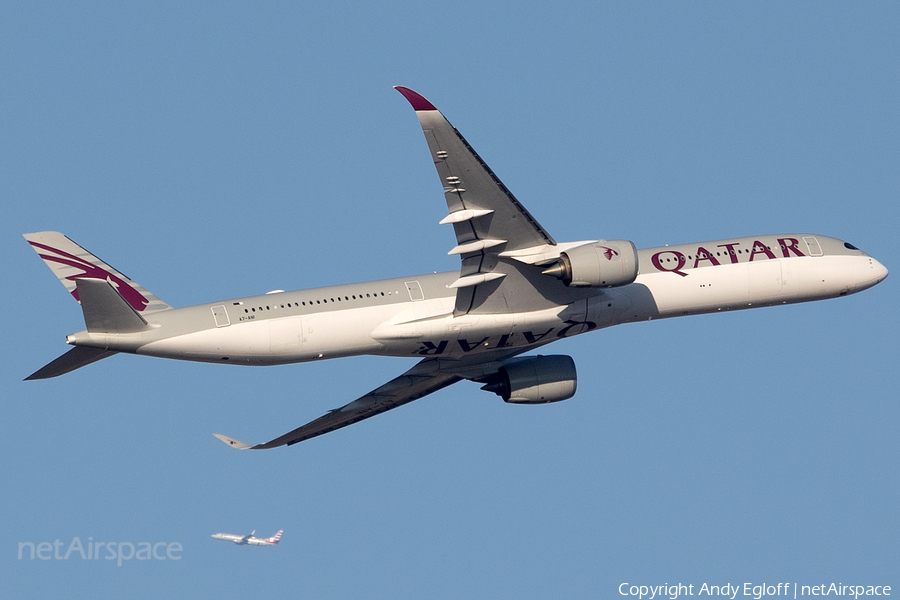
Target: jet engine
(598,264)
(534,380)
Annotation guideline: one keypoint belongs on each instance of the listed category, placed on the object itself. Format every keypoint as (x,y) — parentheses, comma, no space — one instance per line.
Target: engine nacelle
(599,264)
(535,380)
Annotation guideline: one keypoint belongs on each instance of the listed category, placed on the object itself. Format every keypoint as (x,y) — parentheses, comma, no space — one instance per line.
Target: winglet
(417,100)
(232,442)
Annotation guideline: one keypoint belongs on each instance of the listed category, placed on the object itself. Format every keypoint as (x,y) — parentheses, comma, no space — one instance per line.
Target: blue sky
(219,151)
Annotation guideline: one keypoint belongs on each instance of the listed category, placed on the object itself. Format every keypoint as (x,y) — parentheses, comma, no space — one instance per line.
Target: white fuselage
(243,540)
(413,316)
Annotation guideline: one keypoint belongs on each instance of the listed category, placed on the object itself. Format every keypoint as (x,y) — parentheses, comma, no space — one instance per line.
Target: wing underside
(426,377)
(421,380)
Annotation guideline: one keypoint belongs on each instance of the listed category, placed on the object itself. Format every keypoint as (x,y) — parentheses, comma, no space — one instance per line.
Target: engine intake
(599,264)
(535,380)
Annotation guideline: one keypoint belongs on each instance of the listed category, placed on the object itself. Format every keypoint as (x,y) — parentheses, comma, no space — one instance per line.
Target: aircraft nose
(880,271)
(875,272)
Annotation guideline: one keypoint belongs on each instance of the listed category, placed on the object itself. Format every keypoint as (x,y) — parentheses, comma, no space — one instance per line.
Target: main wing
(426,377)
(488,220)
(421,380)
(481,207)
(493,232)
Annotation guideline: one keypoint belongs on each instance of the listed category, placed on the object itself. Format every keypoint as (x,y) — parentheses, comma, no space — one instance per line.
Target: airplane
(517,290)
(243,540)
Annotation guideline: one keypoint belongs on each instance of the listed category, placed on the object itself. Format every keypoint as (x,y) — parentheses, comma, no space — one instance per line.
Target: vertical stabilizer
(70,262)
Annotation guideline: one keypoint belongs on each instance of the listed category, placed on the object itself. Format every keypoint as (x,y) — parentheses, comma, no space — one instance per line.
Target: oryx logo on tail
(90,271)
(71,263)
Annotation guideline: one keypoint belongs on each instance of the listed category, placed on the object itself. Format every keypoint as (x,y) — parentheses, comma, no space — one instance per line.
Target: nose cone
(880,271)
(875,274)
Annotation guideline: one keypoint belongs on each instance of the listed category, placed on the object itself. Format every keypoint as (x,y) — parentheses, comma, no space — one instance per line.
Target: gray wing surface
(487,219)
(469,184)
(421,380)
(426,377)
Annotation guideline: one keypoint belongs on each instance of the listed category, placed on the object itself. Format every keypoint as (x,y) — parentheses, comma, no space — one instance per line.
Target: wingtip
(417,100)
(232,442)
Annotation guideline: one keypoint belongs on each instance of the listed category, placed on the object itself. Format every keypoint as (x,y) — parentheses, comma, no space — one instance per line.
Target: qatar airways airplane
(517,290)
(244,540)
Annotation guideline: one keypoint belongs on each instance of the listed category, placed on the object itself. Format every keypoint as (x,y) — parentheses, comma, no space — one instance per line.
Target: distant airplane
(517,290)
(243,540)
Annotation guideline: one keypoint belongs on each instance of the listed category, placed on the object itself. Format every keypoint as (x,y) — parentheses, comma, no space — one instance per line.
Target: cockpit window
(850,246)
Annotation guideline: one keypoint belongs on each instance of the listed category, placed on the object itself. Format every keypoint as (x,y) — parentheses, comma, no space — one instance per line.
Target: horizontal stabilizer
(232,442)
(105,310)
(75,358)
